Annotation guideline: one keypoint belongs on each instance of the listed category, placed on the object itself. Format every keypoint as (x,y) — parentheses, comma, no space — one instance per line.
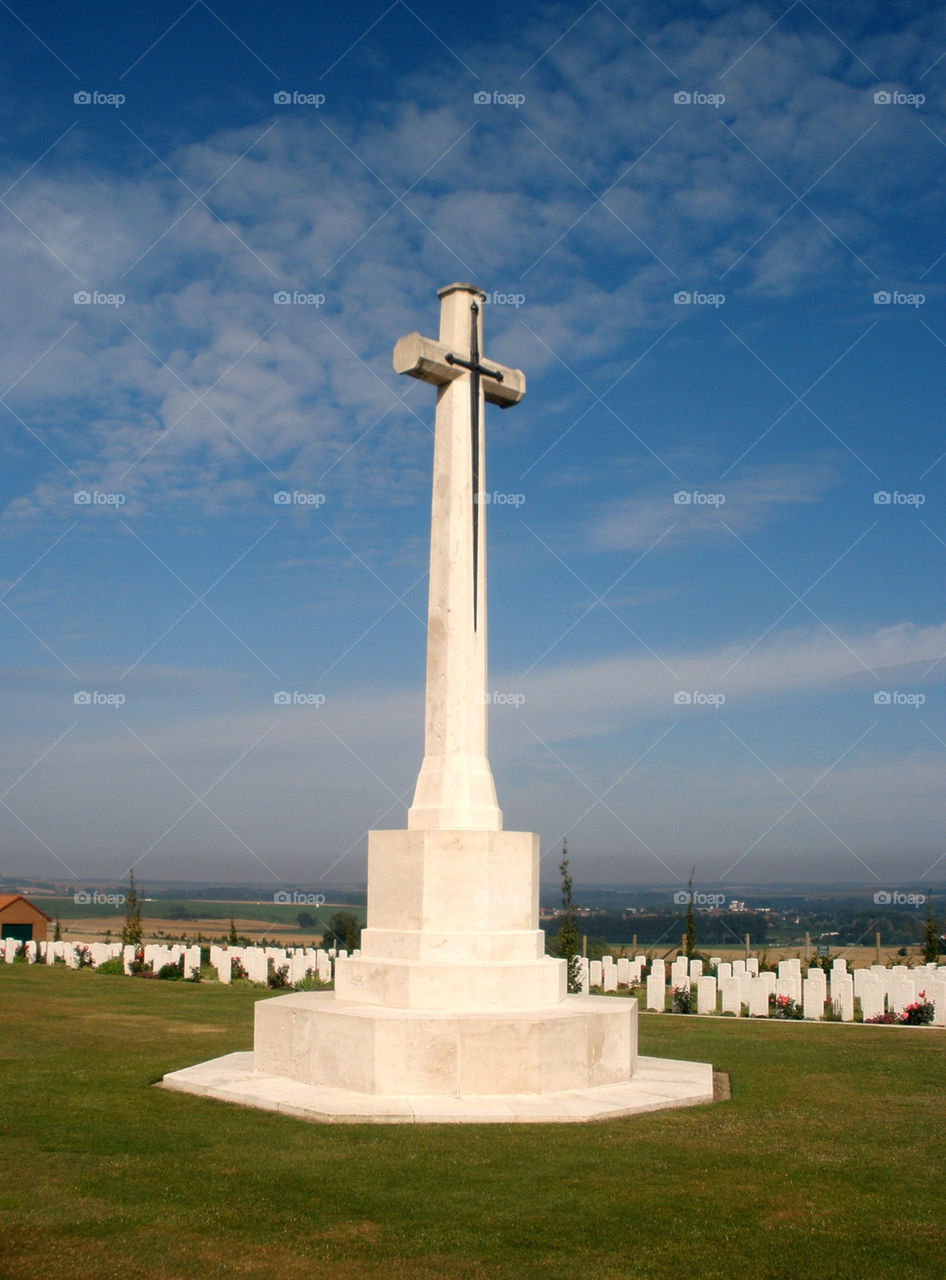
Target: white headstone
(813,996)
(731,995)
(843,996)
(758,998)
(299,966)
(871,995)
(936,992)
(192,962)
(705,995)
(656,992)
(901,992)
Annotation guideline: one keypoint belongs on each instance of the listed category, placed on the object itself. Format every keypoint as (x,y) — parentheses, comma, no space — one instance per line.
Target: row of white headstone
(301,962)
(739,985)
(75,953)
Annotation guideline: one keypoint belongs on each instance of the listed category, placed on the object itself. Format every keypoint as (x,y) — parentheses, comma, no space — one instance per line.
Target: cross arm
(425,359)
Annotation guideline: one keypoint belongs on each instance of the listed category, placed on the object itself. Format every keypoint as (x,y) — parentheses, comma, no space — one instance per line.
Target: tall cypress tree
(131,932)
(689,942)
(568,937)
(930,933)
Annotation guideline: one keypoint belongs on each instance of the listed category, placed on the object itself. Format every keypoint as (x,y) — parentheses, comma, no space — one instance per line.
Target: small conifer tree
(568,939)
(689,940)
(930,933)
(131,931)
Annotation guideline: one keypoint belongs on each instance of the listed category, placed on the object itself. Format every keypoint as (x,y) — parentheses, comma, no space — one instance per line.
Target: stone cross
(455,788)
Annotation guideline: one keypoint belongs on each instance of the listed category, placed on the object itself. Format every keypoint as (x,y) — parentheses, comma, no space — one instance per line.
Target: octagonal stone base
(657,1084)
(584,1042)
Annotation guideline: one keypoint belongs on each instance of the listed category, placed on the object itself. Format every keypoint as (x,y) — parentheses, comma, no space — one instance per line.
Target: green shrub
(312,982)
(918,1014)
(114,966)
(681,1000)
(171,972)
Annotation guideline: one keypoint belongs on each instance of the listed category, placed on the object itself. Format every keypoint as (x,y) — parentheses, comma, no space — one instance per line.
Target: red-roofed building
(21,920)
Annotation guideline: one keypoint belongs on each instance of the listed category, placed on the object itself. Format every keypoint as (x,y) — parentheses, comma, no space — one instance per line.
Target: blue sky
(779,166)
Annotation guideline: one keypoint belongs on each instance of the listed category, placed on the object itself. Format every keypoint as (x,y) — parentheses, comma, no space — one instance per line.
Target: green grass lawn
(827,1163)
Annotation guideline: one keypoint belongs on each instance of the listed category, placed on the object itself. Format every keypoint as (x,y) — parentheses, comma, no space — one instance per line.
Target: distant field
(212,919)
(825,1164)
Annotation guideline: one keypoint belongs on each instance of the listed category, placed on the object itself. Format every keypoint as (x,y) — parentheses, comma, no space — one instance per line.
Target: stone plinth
(451,925)
(586,1042)
(657,1083)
